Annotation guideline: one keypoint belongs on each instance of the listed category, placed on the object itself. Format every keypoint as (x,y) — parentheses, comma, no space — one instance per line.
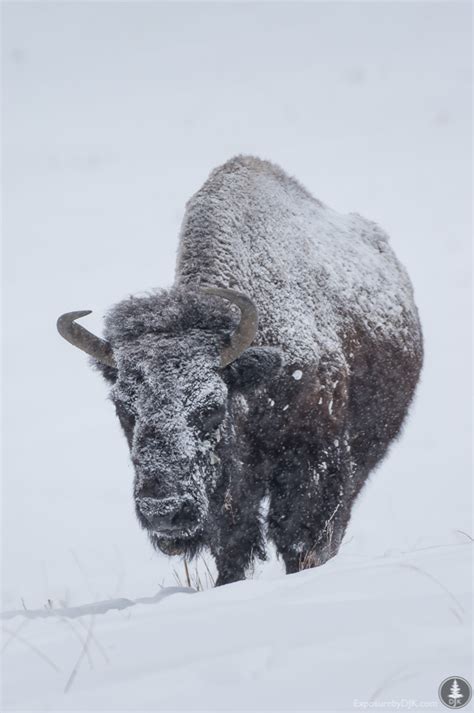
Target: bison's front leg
(228,573)
(237,537)
(310,505)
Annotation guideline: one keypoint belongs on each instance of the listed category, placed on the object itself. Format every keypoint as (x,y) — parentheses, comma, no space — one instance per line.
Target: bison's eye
(211,417)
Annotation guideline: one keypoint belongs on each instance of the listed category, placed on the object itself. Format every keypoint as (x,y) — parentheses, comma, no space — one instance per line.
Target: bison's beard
(189,547)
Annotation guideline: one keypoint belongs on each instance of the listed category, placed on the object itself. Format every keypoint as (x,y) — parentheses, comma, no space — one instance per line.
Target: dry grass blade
(96,642)
(83,653)
(177,578)
(197,579)
(394,677)
(456,614)
(466,534)
(84,574)
(81,640)
(186,570)
(211,578)
(11,638)
(33,648)
(193,578)
(441,585)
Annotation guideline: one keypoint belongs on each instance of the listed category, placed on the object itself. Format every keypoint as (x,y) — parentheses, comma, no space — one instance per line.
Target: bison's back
(321,281)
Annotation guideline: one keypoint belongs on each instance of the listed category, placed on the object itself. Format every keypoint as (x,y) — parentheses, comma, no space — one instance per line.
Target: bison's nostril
(167,514)
(183,515)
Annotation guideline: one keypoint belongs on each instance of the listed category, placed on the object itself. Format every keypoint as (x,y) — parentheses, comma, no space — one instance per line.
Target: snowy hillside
(113,116)
(355,632)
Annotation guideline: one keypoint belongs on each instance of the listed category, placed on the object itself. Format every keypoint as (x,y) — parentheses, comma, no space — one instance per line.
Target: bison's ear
(254,366)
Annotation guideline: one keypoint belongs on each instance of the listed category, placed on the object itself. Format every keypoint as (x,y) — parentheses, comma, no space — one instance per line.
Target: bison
(260,390)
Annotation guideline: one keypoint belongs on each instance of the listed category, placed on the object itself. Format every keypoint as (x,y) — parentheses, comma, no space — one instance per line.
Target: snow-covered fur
(305,414)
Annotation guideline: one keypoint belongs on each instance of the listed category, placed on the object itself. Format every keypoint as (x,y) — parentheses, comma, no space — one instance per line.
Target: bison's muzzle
(169,516)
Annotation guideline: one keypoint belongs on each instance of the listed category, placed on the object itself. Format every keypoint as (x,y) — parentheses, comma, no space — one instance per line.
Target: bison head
(177,360)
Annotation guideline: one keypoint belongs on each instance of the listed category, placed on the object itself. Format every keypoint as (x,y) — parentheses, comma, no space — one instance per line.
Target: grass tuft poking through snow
(194,577)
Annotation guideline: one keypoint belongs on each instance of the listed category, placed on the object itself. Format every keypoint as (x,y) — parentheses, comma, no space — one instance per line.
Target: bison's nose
(168,514)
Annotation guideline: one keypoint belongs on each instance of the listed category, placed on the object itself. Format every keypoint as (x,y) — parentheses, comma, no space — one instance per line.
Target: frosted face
(172,405)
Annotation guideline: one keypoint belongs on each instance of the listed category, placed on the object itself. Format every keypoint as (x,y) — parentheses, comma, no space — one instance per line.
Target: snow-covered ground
(356,631)
(114,113)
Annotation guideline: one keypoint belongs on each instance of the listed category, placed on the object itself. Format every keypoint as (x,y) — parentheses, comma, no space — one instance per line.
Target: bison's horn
(83,339)
(246,330)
